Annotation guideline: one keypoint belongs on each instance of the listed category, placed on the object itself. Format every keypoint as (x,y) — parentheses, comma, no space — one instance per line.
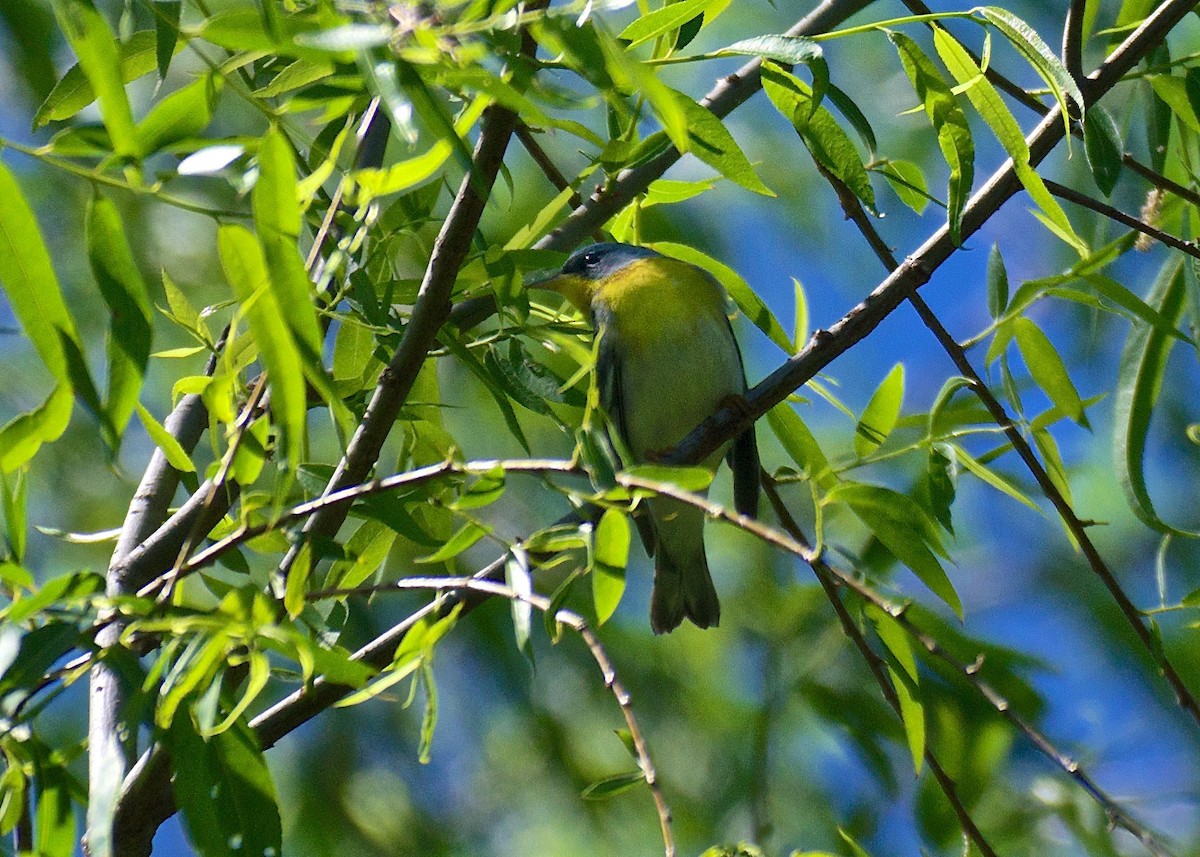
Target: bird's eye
(590,260)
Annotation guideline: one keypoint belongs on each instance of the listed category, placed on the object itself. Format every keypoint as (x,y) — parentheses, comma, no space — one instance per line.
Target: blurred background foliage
(769,731)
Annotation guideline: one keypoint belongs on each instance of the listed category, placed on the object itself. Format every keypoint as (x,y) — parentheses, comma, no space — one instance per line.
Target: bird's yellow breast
(658,299)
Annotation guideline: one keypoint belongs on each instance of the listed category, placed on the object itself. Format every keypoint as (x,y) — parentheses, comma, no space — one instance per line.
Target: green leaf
(1048,369)
(800,444)
(609,556)
(74,92)
(912,714)
(905,529)
(166,33)
(881,414)
(224,790)
(1103,147)
(997,283)
(1140,377)
(410,172)
(790,50)
(949,122)
(998,117)
(991,477)
(824,138)
(613,786)
(517,576)
(694,479)
(1044,60)
(176,456)
(246,270)
(348,37)
(908,182)
(712,143)
(747,301)
(55,819)
(29,281)
(669,17)
(181,115)
(468,535)
(1173,91)
(130,321)
(93,43)
(368,549)
(23,435)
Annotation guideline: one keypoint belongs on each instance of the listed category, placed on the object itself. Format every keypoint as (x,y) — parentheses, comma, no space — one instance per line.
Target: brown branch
(1071,195)
(1072,49)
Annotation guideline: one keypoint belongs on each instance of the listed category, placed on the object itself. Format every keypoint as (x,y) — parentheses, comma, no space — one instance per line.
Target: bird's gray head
(597,261)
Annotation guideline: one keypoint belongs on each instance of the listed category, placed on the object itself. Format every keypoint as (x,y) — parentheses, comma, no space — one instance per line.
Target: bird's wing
(743,456)
(608,382)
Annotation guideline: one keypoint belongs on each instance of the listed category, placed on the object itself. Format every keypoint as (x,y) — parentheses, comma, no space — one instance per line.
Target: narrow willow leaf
(1140,377)
(800,324)
(1044,60)
(413,171)
(517,576)
(881,414)
(469,534)
(800,444)
(29,281)
(1056,469)
(609,556)
(613,786)
(976,468)
(181,115)
(949,122)
(130,320)
(1173,91)
(166,33)
(908,182)
(246,269)
(296,586)
(224,790)
(712,143)
(629,75)
(912,714)
(857,119)
(74,92)
(824,138)
(694,479)
(277,218)
(23,435)
(791,50)
(1103,147)
(368,549)
(1048,370)
(998,117)
(746,299)
(93,43)
(905,529)
(670,17)
(997,283)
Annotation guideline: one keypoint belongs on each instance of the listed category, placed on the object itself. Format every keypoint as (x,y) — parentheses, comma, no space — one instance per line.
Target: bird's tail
(683,588)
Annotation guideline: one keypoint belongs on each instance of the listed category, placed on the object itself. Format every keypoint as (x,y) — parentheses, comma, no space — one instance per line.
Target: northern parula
(667,359)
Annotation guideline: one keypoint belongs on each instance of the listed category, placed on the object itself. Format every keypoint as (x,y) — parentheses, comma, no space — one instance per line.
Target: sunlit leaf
(949,122)
(609,555)
(881,414)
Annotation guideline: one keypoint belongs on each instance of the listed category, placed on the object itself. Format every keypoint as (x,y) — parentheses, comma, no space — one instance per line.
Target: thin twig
(1072,49)
(1071,195)
(577,624)
(345,497)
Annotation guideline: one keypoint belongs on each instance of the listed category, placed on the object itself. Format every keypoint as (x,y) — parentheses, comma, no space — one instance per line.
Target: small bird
(667,360)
